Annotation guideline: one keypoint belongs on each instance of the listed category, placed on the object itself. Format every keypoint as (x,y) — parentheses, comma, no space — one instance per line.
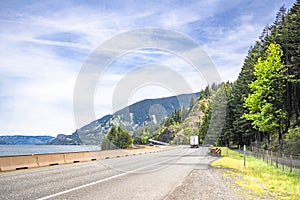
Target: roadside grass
(259,180)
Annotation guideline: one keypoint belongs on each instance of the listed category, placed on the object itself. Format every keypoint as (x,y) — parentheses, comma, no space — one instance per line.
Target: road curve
(147,176)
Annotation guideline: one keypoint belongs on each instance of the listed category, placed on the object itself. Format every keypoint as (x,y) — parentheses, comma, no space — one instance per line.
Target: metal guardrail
(157,142)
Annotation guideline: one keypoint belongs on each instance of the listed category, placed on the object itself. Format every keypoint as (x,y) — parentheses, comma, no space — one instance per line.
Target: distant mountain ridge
(147,112)
(2,142)
(22,139)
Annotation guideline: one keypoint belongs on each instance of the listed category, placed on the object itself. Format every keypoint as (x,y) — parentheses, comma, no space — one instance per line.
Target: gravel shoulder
(204,184)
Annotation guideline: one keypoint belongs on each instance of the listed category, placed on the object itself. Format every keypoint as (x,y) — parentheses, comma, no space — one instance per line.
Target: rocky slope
(180,134)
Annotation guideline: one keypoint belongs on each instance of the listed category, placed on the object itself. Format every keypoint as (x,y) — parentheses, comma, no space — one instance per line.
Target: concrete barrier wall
(74,157)
(51,159)
(112,153)
(140,151)
(90,156)
(9,163)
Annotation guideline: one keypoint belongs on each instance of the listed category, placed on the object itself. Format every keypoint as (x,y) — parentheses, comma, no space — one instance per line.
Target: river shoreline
(18,150)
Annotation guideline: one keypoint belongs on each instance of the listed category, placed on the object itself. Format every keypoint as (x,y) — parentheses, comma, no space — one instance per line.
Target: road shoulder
(204,184)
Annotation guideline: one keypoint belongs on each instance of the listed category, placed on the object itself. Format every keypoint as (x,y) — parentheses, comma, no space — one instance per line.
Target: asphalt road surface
(147,176)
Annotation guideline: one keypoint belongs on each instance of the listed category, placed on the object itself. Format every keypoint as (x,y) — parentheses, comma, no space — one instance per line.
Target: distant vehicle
(194,141)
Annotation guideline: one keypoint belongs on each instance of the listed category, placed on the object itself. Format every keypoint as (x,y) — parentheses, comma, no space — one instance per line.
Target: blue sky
(45,43)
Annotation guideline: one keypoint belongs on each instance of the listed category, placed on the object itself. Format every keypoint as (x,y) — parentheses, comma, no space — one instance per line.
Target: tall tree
(287,34)
(265,102)
(242,131)
(214,119)
(227,131)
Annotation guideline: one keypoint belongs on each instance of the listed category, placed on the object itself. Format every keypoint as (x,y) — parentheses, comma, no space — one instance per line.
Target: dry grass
(258,179)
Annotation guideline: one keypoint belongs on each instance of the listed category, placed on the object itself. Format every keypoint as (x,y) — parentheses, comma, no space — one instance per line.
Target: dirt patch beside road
(203,184)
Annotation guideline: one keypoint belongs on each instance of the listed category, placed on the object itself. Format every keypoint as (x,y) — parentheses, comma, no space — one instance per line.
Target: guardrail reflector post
(244,155)
(283,162)
(271,160)
(291,163)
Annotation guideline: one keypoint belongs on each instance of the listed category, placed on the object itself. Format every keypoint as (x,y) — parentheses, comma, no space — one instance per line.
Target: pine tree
(242,131)
(287,35)
(227,131)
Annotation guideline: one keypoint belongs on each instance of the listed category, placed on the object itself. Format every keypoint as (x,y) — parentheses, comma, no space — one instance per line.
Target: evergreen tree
(227,131)
(214,118)
(286,106)
(124,139)
(242,131)
(290,40)
(116,138)
(203,129)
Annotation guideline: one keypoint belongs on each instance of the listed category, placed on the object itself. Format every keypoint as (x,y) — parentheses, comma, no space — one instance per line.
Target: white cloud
(229,50)
(43,46)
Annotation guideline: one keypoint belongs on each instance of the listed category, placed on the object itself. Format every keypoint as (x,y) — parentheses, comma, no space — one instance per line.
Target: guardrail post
(282,162)
(291,163)
(271,158)
(276,159)
(244,155)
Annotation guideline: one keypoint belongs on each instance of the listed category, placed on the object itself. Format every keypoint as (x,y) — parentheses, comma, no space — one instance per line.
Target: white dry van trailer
(194,141)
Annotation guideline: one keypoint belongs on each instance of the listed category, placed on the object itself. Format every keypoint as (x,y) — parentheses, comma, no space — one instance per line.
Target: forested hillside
(143,114)
(183,122)
(263,104)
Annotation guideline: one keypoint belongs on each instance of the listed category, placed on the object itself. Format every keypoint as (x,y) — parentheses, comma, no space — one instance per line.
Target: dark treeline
(263,104)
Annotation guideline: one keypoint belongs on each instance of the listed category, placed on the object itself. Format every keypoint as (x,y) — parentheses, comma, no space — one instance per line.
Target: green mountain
(144,113)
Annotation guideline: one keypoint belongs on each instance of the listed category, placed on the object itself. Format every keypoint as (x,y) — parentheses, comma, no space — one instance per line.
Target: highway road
(146,176)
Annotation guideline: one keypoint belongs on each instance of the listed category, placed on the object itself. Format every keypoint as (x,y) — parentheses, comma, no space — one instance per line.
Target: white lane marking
(103,180)
(82,186)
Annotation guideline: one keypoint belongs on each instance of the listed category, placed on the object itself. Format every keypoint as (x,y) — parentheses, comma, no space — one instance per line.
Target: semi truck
(194,141)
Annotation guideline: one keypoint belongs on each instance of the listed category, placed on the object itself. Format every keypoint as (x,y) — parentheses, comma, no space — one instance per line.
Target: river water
(11,150)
